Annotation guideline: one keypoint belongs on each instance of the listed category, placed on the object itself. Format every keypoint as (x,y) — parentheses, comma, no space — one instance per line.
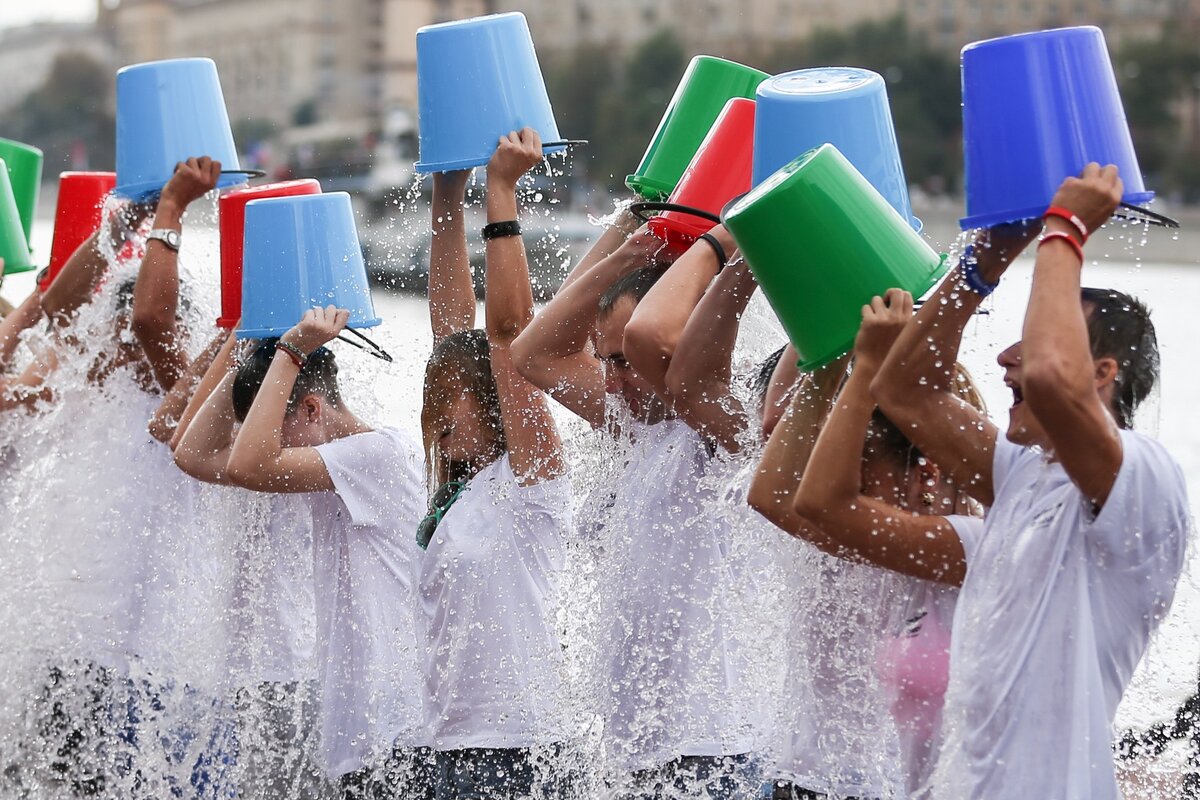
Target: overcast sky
(20,12)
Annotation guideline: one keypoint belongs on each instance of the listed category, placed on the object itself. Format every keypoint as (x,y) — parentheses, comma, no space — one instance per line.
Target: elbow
(239,473)
(647,349)
(523,356)
(508,327)
(161,429)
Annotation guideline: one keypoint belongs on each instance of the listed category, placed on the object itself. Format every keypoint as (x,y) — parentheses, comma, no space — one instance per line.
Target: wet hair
(1119,327)
(884,438)
(464,356)
(123,298)
(636,284)
(318,376)
(761,381)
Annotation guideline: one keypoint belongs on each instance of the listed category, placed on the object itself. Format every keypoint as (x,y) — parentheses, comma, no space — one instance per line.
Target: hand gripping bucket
(477,80)
(719,172)
(167,112)
(844,106)
(1037,108)
(707,85)
(300,252)
(822,241)
(25,174)
(78,214)
(14,247)
(232,212)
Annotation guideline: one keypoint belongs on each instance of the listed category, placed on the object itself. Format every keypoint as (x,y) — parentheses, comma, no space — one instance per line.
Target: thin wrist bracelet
(718,249)
(969,266)
(294,353)
(1066,237)
(499,230)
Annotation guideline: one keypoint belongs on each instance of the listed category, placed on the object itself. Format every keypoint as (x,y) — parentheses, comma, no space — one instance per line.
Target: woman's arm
(701,373)
(259,461)
(451,293)
(773,491)
(624,225)
(204,448)
(22,318)
(217,368)
(168,415)
(156,293)
(534,446)
(830,495)
(656,326)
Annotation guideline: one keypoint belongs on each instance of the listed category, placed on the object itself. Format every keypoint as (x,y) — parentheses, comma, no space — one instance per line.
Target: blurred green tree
(70,116)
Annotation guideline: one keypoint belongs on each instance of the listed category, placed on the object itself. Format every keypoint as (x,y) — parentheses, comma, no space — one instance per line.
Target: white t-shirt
(1055,613)
(671,670)
(488,593)
(364,561)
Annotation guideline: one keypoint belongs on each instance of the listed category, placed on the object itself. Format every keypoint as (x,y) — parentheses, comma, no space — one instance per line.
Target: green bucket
(707,85)
(822,241)
(25,172)
(14,246)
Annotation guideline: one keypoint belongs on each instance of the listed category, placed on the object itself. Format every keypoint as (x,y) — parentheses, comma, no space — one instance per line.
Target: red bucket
(719,172)
(77,215)
(233,223)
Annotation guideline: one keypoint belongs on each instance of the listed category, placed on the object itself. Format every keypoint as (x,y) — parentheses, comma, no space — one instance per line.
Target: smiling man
(1085,536)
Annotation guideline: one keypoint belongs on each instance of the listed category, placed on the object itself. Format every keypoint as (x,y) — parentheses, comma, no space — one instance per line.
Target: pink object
(915,666)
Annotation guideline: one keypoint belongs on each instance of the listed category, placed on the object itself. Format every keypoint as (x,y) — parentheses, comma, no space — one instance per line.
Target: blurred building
(27,54)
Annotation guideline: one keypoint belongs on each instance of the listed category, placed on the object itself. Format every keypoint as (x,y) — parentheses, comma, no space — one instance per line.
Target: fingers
(1092,170)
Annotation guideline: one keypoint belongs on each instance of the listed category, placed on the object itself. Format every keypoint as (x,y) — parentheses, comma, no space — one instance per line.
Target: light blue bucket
(167,112)
(301,252)
(477,80)
(843,106)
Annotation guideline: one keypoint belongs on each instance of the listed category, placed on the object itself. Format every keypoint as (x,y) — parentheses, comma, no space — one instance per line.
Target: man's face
(1023,427)
(619,378)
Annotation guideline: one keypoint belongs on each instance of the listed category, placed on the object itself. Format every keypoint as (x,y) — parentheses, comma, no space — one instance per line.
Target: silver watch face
(169,237)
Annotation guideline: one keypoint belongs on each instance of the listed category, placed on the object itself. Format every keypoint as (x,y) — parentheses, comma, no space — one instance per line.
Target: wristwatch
(167,236)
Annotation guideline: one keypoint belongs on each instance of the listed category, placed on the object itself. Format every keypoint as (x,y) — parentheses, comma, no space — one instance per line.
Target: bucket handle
(1140,214)
(249,173)
(565,143)
(370,346)
(640,210)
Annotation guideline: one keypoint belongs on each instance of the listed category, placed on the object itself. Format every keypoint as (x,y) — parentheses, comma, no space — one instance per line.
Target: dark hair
(318,376)
(1119,327)
(883,437)
(761,381)
(464,355)
(123,298)
(636,284)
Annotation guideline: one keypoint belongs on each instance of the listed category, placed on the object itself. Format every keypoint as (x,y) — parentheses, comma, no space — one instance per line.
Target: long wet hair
(460,362)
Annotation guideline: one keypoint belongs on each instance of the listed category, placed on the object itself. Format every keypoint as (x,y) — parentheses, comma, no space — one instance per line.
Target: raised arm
(773,490)
(451,293)
(21,319)
(167,417)
(700,378)
(553,352)
(156,293)
(780,388)
(915,385)
(624,224)
(830,496)
(657,324)
(259,461)
(204,448)
(1059,377)
(534,447)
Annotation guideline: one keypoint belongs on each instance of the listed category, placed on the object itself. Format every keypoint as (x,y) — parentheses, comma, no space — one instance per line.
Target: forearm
(833,485)
(657,324)
(1054,340)
(508,299)
(259,443)
(156,302)
(451,292)
(705,350)
(22,318)
(623,226)
(216,371)
(170,411)
(204,447)
(76,282)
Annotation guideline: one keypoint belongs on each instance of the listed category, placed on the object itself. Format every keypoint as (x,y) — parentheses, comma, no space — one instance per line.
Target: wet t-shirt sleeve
(359,467)
(1004,460)
(970,532)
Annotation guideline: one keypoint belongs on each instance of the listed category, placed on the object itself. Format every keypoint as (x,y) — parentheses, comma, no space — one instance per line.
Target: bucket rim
(279,330)
(430,167)
(992,218)
(143,190)
(1048,33)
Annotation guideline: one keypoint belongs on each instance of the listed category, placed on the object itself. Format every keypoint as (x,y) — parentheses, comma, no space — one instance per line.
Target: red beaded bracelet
(1069,216)
(294,353)
(1066,237)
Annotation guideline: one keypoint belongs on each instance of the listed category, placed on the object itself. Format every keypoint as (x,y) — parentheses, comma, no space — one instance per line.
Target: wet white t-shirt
(488,593)
(1055,613)
(671,668)
(364,563)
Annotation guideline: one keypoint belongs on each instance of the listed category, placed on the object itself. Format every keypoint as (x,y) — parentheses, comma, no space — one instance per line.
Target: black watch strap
(718,250)
(498,230)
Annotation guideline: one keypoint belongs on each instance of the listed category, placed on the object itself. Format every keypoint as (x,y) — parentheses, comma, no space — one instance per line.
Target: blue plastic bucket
(843,106)
(300,252)
(477,80)
(1037,108)
(167,112)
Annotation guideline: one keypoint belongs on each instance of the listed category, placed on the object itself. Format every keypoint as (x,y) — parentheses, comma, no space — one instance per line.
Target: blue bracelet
(969,265)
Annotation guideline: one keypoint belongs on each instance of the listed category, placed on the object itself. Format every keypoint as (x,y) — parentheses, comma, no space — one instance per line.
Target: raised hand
(516,154)
(192,180)
(319,326)
(883,320)
(1093,196)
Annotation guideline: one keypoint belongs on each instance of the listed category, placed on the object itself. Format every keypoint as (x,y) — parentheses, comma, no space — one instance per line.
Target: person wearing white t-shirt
(668,684)
(499,518)
(1084,540)
(363,487)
